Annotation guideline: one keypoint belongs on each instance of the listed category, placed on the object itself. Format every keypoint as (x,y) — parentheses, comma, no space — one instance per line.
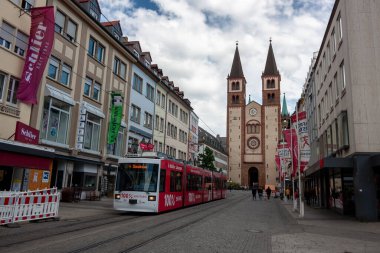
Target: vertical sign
(303,138)
(81,127)
(39,47)
(115,120)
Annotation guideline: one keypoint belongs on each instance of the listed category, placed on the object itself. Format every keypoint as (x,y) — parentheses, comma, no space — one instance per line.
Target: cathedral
(253,129)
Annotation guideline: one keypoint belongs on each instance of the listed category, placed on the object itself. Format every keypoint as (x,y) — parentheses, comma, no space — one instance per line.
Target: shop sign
(26,134)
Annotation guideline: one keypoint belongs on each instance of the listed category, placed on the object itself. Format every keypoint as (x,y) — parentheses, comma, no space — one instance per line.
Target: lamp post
(284,124)
(299,167)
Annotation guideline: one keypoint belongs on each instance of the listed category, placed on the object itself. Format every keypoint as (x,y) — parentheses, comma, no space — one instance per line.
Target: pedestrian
(260,192)
(287,193)
(268,191)
(254,191)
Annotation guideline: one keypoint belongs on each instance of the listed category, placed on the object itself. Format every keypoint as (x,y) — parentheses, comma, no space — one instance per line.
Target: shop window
(92,132)
(55,121)
(90,181)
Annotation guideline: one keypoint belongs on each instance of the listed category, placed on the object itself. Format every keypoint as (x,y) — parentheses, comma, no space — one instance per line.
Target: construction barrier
(27,206)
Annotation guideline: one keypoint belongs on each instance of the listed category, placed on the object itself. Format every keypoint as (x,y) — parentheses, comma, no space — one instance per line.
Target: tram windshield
(137,177)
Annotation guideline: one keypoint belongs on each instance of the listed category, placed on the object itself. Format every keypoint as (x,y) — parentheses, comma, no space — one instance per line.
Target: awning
(330,162)
(24,161)
(94,110)
(141,132)
(25,148)
(58,94)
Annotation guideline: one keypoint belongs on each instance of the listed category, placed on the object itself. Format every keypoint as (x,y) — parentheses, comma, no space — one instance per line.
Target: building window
(158,97)
(92,89)
(92,132)
(157,122)
(342,75)
(96,50)
(149,92)
(270,84)
(119,68)
(336,86)
(137,83)
(148,120)
(65,26)
(27,4)
(12,90)
(340,28)
(235,86)
(2,85)
(55,121)
(7,34)
(135,114)
(21,43)
(58,71)
(345,136)
(163,101)
(53,68)
(162,125)
(65,74)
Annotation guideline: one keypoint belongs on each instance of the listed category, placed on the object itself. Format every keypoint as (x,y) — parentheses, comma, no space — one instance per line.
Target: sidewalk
(328,218)
(84,208)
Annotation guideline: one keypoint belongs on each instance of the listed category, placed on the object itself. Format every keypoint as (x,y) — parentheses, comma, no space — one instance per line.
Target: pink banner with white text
(303,138)
(291,138)
(39,47)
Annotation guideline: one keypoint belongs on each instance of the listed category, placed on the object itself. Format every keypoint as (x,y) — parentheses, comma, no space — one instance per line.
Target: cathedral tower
(236,88)
(271,111)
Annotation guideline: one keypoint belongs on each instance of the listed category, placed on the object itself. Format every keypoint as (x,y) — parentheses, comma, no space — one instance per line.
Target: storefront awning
(140,132)
(93,109)
(27,149)
(24,161)
(330,162)
(58,94)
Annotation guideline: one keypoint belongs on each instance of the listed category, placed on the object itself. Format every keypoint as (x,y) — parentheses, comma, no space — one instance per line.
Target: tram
(154,183)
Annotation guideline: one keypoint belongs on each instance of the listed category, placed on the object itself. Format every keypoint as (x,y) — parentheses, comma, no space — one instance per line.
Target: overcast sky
(193,42)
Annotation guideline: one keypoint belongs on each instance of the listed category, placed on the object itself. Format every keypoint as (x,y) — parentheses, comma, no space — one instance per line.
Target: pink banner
(303,136)
(277,159)
(39,47)
(291,138)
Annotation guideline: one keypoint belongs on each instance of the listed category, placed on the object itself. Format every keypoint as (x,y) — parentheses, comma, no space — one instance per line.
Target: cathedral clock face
(253,112)
(253,143)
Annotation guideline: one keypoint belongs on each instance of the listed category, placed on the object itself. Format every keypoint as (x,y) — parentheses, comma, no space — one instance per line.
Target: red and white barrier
(26,206)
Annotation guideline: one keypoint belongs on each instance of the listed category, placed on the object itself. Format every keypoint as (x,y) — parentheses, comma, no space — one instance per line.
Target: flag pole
(291,154)
(299,167)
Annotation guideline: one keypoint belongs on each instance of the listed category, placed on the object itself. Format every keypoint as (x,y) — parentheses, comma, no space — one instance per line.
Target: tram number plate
(132,201)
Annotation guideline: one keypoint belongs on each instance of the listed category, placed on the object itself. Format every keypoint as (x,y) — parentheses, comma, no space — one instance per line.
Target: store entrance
(5,178)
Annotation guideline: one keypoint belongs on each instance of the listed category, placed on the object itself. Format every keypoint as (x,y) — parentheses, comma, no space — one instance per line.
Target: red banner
(291,138)
(39,47)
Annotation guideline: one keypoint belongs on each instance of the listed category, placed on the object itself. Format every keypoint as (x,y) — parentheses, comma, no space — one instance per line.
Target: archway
(253,174)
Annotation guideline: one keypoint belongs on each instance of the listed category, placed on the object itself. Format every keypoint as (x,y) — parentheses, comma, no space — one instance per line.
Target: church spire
(236,69)
(284,110)
(270,66)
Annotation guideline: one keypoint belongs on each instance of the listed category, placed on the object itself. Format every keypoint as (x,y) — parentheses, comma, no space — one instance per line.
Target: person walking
(268,191)
(254,191)
(287,193)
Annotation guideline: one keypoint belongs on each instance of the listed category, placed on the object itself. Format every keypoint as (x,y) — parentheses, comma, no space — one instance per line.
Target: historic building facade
(253,129)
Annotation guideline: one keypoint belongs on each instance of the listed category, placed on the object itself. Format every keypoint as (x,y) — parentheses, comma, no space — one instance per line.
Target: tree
(207,159)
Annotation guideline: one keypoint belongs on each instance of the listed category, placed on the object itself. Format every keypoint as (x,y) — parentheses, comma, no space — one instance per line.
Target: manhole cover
(254,231)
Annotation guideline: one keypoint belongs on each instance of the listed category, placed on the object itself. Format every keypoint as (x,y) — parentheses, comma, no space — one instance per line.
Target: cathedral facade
(253,129)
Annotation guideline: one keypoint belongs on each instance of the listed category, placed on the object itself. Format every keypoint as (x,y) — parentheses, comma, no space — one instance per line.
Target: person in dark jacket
(268,191)
(254,189)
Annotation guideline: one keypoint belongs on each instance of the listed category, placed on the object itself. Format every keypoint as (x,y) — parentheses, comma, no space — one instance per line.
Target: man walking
(268,191)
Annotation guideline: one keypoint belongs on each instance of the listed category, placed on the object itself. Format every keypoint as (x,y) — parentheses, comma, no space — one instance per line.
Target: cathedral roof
(236,69)
(270,66)
(284,110)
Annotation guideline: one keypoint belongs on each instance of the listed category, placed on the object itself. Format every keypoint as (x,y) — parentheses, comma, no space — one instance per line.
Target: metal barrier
(27,206)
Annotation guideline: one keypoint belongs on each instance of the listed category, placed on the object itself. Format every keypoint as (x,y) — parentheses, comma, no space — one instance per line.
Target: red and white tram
(156,184)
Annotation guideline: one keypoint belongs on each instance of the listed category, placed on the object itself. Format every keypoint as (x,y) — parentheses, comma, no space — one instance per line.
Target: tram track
(161,235)
(74,227)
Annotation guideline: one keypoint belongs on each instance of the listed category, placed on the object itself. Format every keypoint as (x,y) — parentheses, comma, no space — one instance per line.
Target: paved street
(236,224)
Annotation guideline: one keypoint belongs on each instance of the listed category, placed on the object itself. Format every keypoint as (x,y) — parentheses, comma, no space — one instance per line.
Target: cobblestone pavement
(246,225)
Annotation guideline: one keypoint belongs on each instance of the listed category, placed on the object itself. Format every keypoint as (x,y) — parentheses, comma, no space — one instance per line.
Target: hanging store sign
(26,134)
(39,47)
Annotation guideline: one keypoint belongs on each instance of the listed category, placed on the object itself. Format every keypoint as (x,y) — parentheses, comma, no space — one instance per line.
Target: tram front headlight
(117,196)
(151,198)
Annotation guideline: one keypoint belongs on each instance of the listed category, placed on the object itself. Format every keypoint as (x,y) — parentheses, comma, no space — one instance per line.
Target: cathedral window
(270,84)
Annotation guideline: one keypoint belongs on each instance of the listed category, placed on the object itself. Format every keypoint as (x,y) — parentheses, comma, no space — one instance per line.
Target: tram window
(162,180)
(175,181)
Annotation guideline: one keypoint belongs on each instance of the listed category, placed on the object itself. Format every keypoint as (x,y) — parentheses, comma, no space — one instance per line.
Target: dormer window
(136,53)
(94,11)
(116,35)
(147,63)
